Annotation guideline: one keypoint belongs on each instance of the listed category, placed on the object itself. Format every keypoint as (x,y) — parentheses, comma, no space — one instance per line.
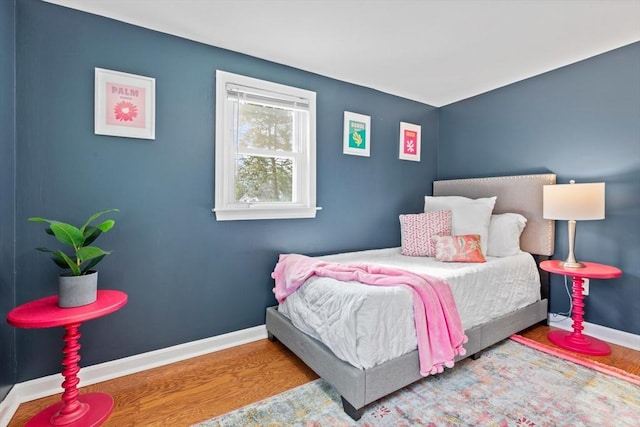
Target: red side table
(575,340)
(75,410)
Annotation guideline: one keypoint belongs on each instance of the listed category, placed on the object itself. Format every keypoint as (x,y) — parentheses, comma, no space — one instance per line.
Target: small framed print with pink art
(410,141)
(124,104)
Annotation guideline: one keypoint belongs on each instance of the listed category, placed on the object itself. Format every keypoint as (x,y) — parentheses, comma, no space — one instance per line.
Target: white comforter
(368,325)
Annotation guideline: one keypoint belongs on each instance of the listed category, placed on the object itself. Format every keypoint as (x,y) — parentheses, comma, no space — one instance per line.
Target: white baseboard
(603,333)
(52,384)
(8,407)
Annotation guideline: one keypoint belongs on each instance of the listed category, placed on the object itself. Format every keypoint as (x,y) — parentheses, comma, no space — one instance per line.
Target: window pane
(262,127)
(263,179)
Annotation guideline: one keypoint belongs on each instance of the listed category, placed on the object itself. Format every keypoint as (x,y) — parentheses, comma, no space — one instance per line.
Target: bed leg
(354,413)
(476,356)
(271,337)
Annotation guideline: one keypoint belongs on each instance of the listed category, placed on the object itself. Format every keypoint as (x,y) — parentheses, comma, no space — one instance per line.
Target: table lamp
(573,202)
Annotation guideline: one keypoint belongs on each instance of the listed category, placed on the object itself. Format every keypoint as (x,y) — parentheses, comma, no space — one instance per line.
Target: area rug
(512,384)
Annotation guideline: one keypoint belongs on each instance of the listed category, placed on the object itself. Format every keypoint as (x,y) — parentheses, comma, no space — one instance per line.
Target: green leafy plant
(85,256)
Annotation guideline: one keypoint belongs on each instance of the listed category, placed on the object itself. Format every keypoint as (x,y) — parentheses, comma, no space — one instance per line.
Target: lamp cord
(565,314)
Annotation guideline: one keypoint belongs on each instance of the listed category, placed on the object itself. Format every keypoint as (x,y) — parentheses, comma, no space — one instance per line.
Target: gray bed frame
(360,387)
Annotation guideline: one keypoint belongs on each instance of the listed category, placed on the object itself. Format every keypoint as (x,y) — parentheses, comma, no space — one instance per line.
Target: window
(265,150)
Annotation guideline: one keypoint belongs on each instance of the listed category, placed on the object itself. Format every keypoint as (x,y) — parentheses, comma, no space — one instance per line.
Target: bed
(360,384)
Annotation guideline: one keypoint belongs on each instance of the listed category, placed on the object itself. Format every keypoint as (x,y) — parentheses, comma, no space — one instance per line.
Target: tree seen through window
(261,175)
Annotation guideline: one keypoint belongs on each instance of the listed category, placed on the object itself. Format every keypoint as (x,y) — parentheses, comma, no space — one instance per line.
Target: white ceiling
(433,51)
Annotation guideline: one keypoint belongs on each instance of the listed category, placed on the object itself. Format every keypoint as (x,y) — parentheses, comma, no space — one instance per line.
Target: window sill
(257,213)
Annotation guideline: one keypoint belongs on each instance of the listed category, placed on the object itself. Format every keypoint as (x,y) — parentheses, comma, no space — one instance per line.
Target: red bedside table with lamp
(75,410)
(573,202)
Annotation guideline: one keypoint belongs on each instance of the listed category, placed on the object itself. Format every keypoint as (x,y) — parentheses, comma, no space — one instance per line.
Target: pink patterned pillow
(460,248)
(418,229)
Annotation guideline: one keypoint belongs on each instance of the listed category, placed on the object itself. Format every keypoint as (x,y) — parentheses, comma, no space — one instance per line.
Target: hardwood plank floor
(197,389)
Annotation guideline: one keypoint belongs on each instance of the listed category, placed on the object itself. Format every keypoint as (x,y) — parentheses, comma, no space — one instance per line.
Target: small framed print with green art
(357,134)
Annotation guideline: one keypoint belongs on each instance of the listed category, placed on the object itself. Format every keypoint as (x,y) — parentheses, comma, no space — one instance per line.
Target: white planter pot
(76,291)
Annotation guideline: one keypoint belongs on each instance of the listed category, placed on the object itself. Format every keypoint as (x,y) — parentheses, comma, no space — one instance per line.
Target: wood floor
(200,388)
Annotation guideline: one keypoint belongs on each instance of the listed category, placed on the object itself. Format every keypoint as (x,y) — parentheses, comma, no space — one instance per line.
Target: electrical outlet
(585,286)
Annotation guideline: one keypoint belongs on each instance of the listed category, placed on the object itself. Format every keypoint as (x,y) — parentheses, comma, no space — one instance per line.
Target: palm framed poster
(124,104)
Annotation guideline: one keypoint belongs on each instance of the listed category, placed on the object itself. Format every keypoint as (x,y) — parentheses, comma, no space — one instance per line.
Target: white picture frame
(410,143)
(356,139)
(124,104)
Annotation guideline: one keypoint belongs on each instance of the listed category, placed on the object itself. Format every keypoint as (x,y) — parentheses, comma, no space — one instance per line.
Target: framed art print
(357,134)
(124,104)
(409,142)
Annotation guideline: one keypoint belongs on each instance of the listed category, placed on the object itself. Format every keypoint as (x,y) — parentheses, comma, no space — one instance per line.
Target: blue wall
(7,189)
(188,277)
(581,122)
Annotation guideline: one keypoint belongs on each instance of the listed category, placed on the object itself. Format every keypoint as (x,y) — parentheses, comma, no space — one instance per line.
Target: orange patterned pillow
(460,248)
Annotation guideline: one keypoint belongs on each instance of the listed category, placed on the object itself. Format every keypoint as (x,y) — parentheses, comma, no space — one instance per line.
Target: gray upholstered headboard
(517,193)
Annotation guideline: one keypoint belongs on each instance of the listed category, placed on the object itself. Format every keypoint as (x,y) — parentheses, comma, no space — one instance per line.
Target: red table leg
(575,340)
(75,410)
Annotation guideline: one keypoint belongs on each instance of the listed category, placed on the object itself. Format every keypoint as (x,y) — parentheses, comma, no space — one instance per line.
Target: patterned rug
(510,385)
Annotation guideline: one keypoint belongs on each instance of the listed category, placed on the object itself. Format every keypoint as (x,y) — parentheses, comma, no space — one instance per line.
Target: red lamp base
(579,343)
(94,410)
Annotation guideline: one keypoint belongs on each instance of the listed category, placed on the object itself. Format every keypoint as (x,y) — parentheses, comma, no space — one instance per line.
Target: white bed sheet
(368,325)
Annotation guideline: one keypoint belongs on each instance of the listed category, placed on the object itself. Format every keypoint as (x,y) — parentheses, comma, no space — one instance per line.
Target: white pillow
(468,216)
(504,234)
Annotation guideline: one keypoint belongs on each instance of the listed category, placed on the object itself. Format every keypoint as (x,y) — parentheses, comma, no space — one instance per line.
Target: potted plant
(77,286)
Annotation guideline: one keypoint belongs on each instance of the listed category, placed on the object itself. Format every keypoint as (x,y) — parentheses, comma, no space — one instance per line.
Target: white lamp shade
(573,201)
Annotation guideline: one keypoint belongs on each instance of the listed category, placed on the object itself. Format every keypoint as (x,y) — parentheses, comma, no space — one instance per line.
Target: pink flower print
(125,111)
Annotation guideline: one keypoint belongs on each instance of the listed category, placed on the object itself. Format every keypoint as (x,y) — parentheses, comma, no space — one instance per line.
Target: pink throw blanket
(438,326)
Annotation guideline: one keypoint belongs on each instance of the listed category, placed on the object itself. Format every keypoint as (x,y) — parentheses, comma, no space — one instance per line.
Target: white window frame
(304,203)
